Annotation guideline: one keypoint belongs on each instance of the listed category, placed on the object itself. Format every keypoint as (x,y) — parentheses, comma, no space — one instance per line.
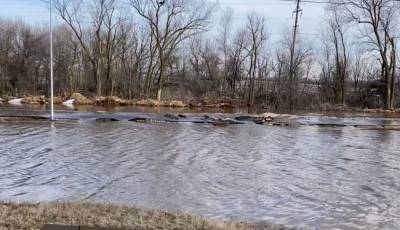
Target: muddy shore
(78,99)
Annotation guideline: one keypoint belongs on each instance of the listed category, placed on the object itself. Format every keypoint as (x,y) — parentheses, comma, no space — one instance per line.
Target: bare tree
(101,11)
(224,40)
(335,69)
(337,35)
(359,73)
(131,59)
(378,20)
(256,30)
(236,59)
(170,23)
(287,88)
(205,61)
(161,49)
(111,39)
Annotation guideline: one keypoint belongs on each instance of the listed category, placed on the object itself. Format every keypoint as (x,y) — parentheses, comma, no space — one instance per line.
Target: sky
(279,14)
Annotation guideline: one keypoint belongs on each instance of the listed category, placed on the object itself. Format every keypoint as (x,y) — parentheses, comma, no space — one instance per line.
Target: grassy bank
(34,216)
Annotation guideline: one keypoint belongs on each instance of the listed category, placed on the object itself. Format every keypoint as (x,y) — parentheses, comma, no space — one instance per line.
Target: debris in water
(17,101)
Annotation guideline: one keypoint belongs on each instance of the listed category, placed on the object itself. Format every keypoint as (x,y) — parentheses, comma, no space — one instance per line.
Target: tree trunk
(98,80)
(393,74)
(159,94)
(160,74)
(388,95)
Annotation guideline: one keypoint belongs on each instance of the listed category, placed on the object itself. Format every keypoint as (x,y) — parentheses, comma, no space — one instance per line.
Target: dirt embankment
(79,99)
(34,216)
(221,103)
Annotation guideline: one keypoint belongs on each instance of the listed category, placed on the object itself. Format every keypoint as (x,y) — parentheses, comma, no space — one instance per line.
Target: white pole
(51,64)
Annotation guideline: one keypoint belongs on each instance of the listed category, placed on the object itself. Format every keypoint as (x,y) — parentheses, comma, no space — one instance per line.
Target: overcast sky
(278,13)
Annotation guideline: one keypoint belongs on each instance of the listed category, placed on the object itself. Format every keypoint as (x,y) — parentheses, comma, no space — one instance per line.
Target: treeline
(187,50)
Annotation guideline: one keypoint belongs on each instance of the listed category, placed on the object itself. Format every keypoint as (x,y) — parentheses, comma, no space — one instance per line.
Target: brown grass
(156,103)
(34,216)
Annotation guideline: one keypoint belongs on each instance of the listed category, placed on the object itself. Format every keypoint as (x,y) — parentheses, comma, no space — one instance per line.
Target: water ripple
(328,178)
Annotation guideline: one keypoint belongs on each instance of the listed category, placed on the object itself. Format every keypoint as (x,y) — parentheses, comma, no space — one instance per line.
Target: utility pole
(51,64)
(292,54)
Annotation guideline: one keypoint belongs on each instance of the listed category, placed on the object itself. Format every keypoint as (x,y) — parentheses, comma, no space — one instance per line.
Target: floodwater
(318,177)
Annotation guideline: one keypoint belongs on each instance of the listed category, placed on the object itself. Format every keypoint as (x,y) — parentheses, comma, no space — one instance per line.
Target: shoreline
(77,99)
(34,216)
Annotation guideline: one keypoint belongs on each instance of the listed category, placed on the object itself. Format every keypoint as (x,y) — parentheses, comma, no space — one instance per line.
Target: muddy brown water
(328,178)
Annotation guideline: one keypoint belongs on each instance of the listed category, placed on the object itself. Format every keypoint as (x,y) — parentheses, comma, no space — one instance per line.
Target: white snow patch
(69,102)
(17,101)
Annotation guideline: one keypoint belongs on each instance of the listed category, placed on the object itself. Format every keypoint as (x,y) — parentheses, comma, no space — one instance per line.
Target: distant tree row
(185,49)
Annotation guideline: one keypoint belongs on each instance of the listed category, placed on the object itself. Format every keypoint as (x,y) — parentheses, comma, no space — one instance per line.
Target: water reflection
(338,178)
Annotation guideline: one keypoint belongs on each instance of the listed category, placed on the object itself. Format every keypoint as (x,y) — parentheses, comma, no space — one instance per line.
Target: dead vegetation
(34,216)
(113,53)
(35,100)
(156,103)
(112,101)
(80,99)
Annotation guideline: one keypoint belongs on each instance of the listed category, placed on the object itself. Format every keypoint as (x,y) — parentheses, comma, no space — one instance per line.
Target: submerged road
(333,175)
(210,118)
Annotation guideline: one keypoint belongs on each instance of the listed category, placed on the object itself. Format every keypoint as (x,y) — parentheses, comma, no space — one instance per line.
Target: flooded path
(324,177)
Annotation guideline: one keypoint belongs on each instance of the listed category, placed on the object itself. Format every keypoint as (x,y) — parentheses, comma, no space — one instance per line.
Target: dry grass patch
(156,103)
(34,216)
(35,100)
(111,101)
(80,99)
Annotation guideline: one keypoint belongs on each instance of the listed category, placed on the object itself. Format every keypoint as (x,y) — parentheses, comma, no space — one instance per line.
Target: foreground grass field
(34,216)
